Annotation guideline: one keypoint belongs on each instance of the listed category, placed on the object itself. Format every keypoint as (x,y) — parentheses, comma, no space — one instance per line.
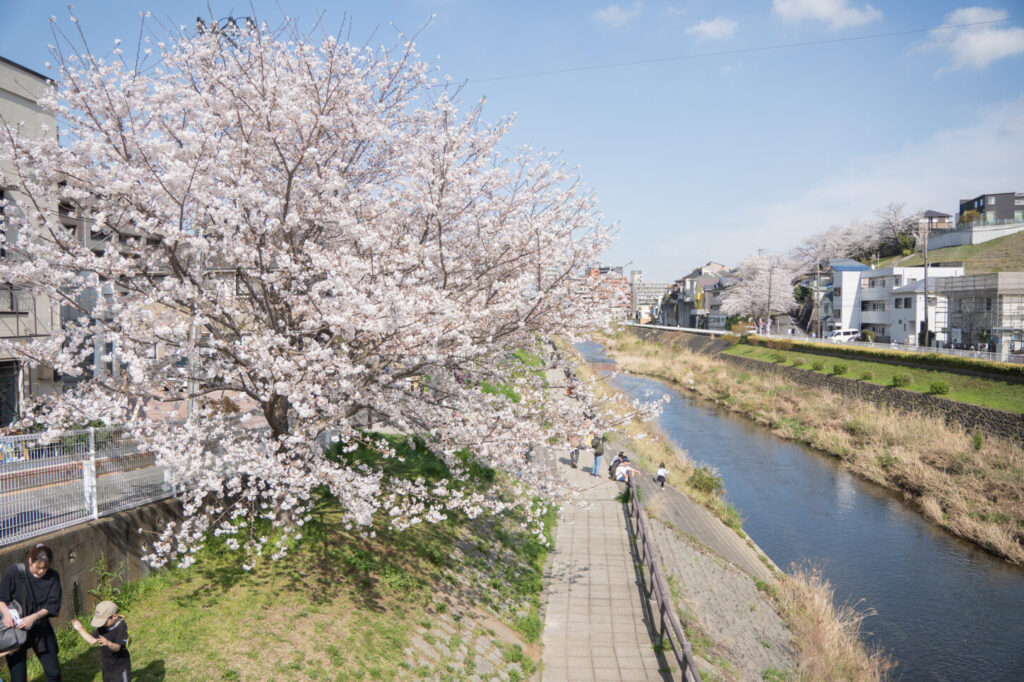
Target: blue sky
(712,156)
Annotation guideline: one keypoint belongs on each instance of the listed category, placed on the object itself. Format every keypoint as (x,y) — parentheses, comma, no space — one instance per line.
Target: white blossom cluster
(316,229)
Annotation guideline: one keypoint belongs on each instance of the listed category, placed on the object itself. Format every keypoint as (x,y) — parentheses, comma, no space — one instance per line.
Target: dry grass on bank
(651,447)
(826,636)
(968,483)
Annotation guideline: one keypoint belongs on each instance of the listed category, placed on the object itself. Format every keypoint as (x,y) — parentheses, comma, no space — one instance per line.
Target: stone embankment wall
(77,551)
(970,417)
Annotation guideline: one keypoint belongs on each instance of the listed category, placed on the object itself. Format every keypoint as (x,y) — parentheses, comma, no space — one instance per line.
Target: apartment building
(645,296)
(889,302)
(24,314)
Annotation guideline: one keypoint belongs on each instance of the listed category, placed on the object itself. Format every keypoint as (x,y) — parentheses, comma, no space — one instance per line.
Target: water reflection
(946,610)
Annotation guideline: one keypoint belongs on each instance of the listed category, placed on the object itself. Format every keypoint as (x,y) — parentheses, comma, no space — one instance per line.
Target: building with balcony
(867,299)
(645,296)
(24,314)
(995,209)
(935,220)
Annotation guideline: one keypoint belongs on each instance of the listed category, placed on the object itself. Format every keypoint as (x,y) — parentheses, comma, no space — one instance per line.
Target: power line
(745,50)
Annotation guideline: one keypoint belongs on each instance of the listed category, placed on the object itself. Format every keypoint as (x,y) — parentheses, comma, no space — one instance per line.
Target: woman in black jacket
(36,587)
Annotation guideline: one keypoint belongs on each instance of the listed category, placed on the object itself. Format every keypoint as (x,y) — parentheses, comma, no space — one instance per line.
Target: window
(1018,201)
(899,302)
(988,304)
(907,302)
(896,281)
(990,217)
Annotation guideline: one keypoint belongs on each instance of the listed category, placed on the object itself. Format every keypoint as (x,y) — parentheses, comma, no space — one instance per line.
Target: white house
(878,300)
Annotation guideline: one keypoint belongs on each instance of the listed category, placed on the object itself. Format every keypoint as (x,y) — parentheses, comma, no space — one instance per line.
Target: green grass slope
(438,601)
(1005,254)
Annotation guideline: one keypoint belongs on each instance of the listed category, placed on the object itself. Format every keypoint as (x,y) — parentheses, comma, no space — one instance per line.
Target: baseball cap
(104,610)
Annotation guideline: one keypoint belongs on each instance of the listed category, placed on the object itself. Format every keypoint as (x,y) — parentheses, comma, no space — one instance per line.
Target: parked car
(843,335)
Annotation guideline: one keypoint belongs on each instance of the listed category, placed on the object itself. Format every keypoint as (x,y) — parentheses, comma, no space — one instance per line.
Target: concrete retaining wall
(77,550)
(970,417)
(975,234)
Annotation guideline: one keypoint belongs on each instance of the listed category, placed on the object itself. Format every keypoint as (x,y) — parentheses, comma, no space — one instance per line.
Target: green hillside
(999,255)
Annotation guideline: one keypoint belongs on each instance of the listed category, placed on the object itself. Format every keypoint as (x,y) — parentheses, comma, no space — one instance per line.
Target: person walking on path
(37,587)
(111,634)
(599,442)
(661,475)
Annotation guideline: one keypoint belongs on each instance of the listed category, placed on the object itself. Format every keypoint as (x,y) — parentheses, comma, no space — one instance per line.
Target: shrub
(978,440)
(779,357)
(900,380)
(817,365)
(867,375)
(867,335)
(798,361)
(938,388)
(839,368)
(706,479)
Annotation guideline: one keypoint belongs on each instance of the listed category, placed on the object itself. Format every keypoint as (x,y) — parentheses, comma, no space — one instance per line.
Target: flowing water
(946,610)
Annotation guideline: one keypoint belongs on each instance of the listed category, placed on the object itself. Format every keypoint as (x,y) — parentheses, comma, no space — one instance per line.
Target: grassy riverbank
(969,484)
(437,601)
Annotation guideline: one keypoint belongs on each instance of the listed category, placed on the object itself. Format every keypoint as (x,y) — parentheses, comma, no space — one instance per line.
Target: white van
(843,335)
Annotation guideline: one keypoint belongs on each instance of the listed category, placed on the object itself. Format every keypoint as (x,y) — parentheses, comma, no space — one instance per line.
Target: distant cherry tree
(764,287)
(316,229)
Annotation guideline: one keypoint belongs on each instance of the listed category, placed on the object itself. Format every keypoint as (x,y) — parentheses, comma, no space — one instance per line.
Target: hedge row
(936,360)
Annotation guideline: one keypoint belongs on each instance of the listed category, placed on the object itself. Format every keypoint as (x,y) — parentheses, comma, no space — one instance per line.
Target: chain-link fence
(52,482)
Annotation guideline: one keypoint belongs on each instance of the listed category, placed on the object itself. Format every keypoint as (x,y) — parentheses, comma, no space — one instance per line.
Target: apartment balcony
(874,317)
(25,314)
(876,294)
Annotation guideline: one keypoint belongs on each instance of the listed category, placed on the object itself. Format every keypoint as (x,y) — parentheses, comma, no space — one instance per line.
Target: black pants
(45,640)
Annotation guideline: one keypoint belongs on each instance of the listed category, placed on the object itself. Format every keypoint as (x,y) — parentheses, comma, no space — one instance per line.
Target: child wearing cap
(111,634)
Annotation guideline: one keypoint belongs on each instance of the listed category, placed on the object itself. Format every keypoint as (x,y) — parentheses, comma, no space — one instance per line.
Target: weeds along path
(969,484)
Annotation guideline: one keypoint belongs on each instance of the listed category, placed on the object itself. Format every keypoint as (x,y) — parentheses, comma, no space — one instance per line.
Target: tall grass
(972,487)
(827,636)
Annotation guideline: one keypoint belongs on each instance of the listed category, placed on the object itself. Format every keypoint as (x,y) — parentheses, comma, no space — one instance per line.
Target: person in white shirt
(661,475)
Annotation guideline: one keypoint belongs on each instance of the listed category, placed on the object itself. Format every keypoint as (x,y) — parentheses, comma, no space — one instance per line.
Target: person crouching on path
(37,587)
(111,634)
(625,471)
(661,475)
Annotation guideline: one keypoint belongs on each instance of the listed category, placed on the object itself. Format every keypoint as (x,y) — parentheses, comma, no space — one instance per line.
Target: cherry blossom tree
(316,229)
(764,287)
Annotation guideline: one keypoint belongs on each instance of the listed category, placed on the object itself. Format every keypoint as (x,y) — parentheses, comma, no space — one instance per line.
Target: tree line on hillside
(764,281)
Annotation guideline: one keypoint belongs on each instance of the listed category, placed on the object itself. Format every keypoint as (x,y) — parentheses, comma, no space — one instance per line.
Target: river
(946,610)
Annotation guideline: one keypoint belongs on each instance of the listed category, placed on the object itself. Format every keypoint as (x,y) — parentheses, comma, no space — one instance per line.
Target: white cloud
(614,16)
(837,13)
(716,29)
(933,173)
(977,46)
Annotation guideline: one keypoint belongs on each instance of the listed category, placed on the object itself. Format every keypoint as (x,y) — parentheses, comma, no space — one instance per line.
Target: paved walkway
(595,619)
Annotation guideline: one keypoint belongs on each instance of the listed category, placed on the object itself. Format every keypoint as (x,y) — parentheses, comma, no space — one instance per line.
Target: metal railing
(50,483)
(659,592)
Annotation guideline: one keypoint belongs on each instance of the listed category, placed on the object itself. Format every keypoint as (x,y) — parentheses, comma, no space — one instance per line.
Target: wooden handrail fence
(658,590)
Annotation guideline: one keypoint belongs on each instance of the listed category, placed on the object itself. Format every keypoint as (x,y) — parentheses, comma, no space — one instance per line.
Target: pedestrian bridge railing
(657,590)
(53,481)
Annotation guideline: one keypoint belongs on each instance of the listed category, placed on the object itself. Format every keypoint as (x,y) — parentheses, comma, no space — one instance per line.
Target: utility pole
(923,336)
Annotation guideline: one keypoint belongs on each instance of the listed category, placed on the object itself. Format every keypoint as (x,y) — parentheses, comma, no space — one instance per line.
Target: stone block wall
(970,417)
(77,551)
